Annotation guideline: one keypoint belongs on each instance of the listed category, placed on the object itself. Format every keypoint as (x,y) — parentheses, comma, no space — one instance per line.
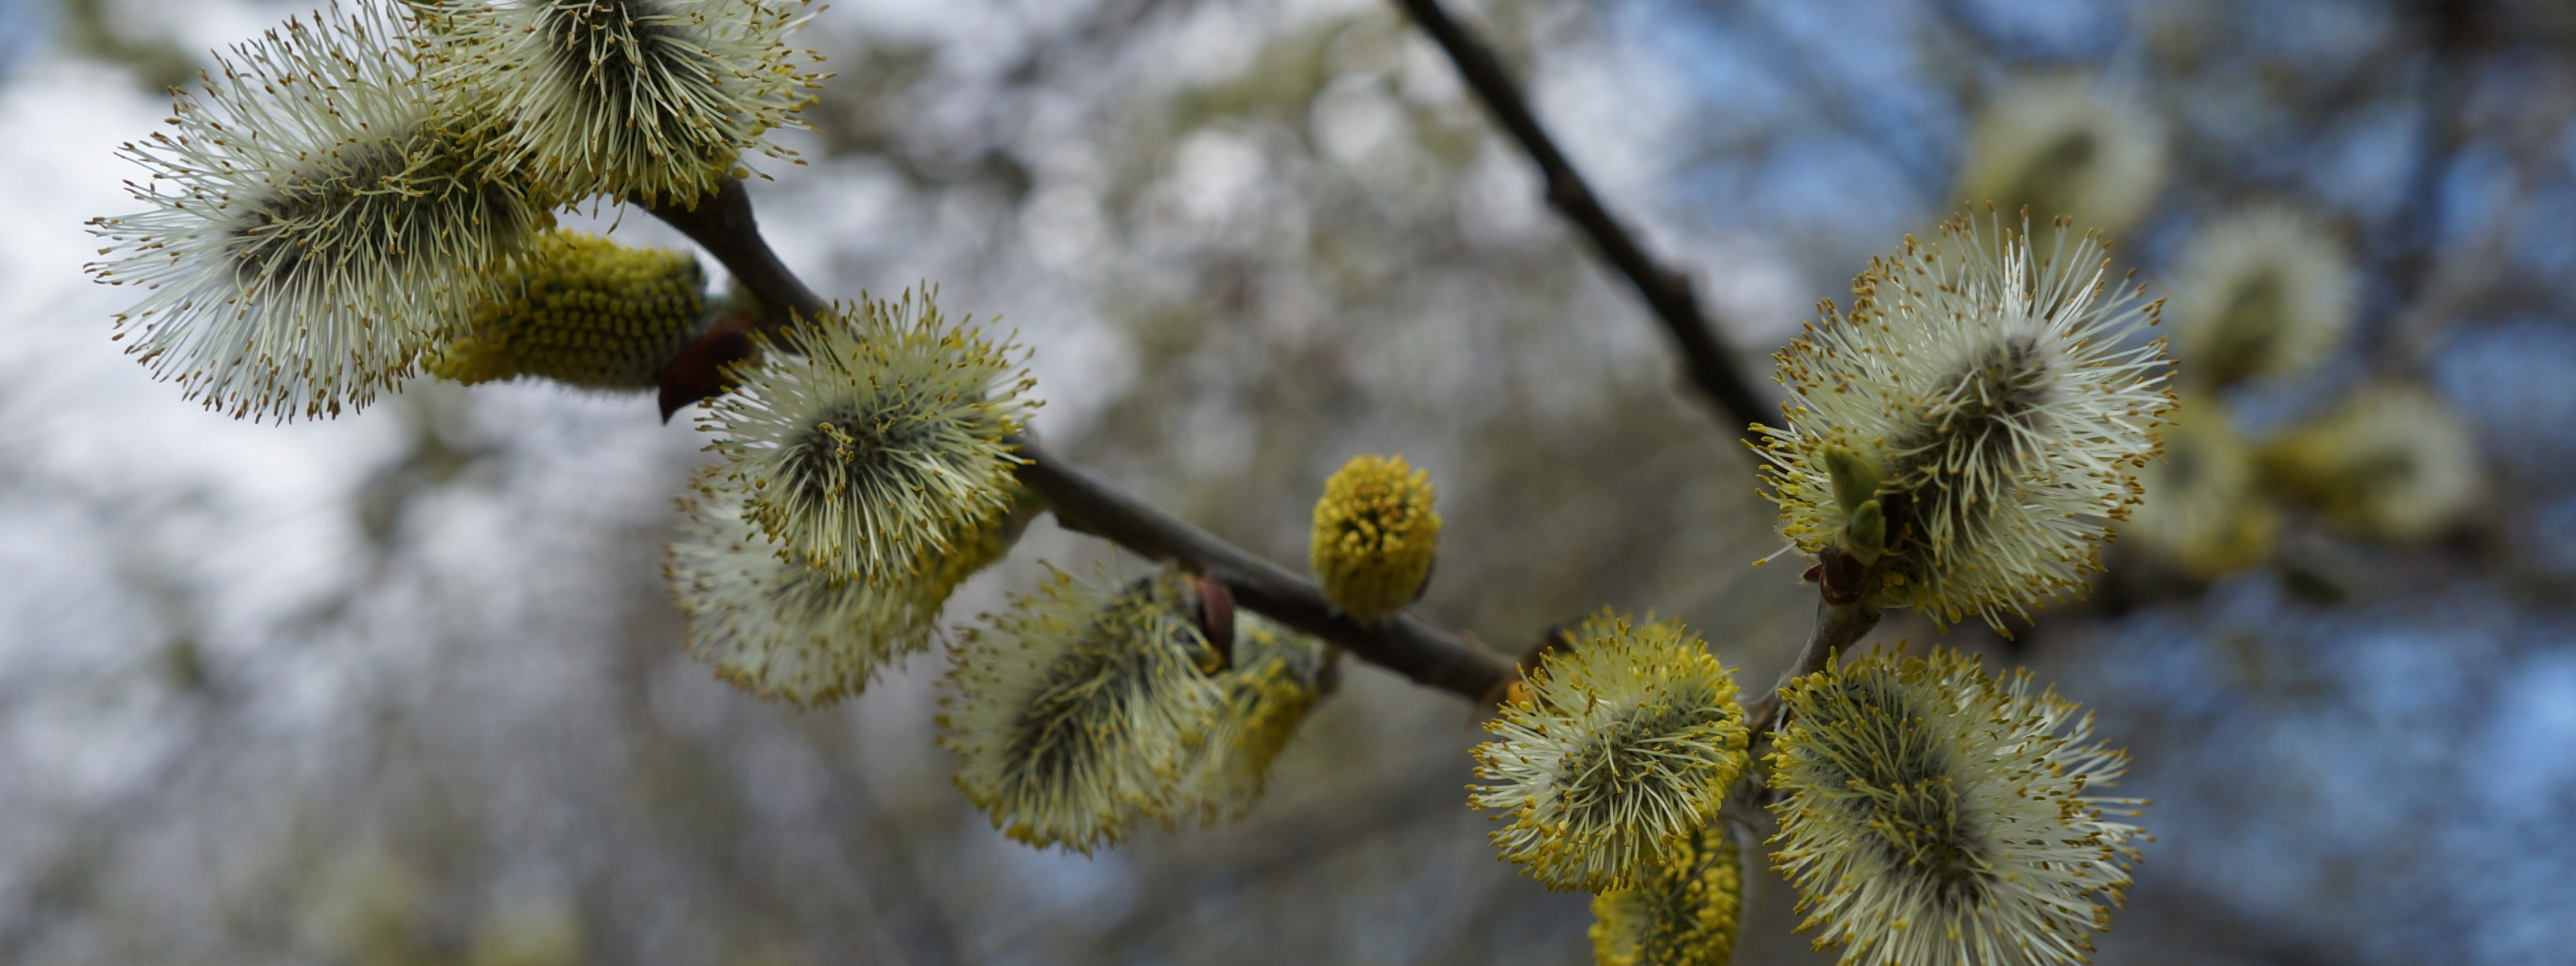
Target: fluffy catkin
(314,220)
(1687,914)
(1627,742)
(1993,391)
(654,99)
(1076,712)
(1931,815)
(873,440)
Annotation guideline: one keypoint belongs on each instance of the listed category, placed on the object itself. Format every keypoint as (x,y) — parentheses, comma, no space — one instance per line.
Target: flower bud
(1855,479)
(1866,535)
(581,310)
(1374,536)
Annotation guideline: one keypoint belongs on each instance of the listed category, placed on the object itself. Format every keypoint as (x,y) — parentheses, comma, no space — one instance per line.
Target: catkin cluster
(362,192)
(866,474)
(369,185)
(2263,297)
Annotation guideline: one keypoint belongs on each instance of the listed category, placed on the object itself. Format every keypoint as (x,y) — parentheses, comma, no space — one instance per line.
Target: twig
(1084,500)
(2409,248)
(1838,626)
(1710,364)
(722,223)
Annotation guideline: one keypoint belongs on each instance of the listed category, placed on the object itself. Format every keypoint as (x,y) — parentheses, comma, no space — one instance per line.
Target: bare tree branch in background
(1713,367)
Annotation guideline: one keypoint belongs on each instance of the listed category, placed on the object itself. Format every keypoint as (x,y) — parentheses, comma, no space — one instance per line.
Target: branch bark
(1838,626)
(1706,359)
(722,223)
(1084,500)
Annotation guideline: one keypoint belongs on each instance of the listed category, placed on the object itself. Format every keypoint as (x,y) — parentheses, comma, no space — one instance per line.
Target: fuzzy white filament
(631,97)
(315,220)
(1075,713)
(1934,816)
(1995,387)
(1628,742)
(785,631)
(873,447)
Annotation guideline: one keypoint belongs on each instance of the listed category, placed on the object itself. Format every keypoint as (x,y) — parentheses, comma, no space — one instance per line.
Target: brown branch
(722,223)
(1708,361)
(1838,626)
(1086,501)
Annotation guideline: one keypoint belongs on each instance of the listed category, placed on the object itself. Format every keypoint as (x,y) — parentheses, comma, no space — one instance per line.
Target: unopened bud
(1855,479)
(1866,536)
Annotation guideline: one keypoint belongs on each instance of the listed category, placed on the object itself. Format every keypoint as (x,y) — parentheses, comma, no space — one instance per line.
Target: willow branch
(1086,501)
(722,223)
(1709,363)
(1838,626)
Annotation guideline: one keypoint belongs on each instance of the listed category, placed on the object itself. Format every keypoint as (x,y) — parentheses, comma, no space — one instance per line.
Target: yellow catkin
(582,310)
(1278,676)
(1687,915)
(1627,743)
(1375,536)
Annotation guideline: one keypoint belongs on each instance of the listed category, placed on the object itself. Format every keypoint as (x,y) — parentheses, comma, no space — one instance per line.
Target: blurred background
(405,687)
